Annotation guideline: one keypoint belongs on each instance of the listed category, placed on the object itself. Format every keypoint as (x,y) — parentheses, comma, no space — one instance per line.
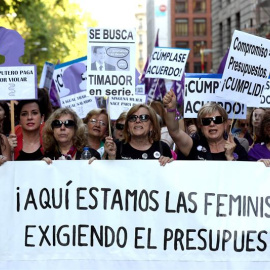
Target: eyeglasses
(95,121)
(244,124)
(59,123)
(119,126)
(216,119)
(142,117)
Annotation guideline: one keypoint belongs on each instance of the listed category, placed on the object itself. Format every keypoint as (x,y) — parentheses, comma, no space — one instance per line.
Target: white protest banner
(123,104)
(111,62)
(167,63)
(70,82)
(18,82)
(134,215)
(246,70)
(46,76)
(201,89)
(265,98)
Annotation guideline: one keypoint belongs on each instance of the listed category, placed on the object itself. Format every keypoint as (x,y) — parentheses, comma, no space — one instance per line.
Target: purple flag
(178,88)
(54,95)
(223,63)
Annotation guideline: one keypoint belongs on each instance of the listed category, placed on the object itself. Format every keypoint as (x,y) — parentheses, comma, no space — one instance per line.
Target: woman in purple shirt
(261,150)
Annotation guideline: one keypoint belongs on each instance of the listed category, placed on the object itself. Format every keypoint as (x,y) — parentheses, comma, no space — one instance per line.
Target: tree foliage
(54,30)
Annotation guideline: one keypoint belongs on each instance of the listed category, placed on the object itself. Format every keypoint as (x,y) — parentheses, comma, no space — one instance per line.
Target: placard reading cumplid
(111,62)
(167,63)
(201,89)
(246,70)
(18,82)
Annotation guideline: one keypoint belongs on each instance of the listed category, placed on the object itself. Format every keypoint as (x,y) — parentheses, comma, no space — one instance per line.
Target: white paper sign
(167,63)
(128,214)
(201,89)
(111,62)
(70,82)
(265,98)
(18,83)
(123,104)
(246,70)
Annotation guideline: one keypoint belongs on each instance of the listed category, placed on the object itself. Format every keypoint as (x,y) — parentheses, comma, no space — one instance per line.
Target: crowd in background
(153,131)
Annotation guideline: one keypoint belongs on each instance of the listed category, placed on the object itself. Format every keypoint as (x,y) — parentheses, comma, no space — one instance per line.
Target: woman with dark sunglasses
(141,138)
(64,137)
(212,142)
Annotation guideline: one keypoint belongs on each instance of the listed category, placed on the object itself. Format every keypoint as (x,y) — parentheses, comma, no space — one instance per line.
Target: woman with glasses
(141,138)
(97,127)
(64,137)
(212,142)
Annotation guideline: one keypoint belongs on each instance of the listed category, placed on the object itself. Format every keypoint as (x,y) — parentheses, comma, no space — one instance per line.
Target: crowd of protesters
(153,131)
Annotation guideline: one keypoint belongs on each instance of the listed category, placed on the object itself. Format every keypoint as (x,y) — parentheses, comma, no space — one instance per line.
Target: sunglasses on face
(119,126)
(142,117)
(216,119)
(95,121)
(59,123)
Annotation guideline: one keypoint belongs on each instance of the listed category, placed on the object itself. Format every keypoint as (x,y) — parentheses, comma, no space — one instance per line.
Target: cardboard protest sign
(111,62)
(167,63)
(70,82)
(17,81)
(82,218)
(265,98)
(46,76)
(246,70)
(201,89)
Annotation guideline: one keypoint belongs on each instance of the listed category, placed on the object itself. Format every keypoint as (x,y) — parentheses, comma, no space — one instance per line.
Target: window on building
(181,27)
(221,38)
(181,44)
(199,27)
(187,67)
(197,46)
(140,39)
(181,6)
(140,23)
(199,6)
(237,21)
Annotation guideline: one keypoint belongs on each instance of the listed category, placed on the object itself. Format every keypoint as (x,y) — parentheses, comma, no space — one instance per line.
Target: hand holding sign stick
(108,111)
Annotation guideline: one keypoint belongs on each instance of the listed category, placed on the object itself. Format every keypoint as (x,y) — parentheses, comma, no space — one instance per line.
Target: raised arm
(181,139)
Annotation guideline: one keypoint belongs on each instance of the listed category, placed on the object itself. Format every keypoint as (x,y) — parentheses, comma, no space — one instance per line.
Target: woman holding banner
(261,150)
(64,137)
(141,138)
(212,142)
(5,124)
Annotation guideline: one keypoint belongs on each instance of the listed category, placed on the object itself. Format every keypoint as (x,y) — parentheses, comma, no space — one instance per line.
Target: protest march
(84,196)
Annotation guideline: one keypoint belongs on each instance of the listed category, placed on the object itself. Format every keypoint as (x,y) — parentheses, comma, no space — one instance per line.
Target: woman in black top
(64,137)
(141,138)
(212,142)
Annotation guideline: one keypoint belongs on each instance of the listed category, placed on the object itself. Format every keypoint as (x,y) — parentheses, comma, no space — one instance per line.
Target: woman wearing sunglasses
(212,142)
(141,138)
(64,137)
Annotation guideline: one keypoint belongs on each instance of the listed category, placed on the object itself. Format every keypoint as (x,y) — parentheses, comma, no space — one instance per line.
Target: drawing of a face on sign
(11,47)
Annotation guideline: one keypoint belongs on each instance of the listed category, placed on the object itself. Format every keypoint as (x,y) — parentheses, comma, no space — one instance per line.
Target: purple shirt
(258,151)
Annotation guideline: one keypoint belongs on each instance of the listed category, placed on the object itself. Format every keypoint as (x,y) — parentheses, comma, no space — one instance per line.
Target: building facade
(191,28)
(227,16)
